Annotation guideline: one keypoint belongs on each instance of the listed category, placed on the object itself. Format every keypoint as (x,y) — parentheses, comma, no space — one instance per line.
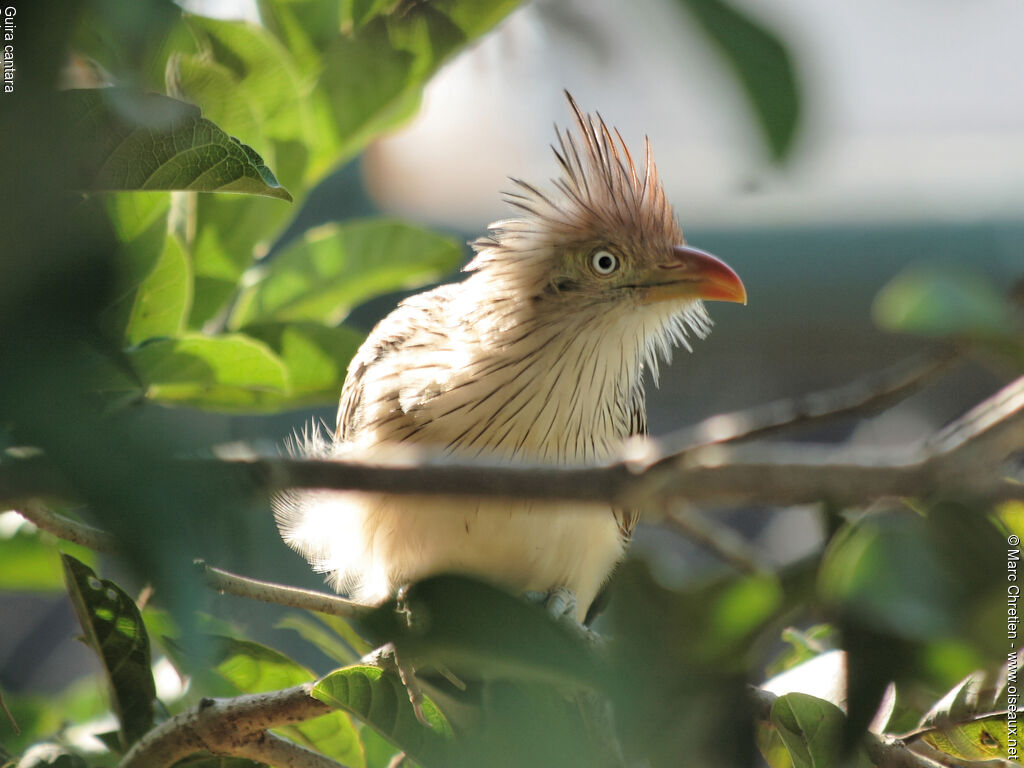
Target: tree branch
(966,456)
(65,528)
(869,394)
(235,726)
(279,594)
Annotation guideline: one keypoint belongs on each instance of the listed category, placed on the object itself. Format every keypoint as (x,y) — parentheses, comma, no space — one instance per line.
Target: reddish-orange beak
(695,274)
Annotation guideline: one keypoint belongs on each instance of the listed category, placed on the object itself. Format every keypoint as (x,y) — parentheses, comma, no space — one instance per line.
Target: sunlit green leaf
(761,63)
(373,75)
(316,357)
(134,141)
(30,561)
(265,75)
(230,372)
(163,299)
(113,628)
(379,699)
(332,268)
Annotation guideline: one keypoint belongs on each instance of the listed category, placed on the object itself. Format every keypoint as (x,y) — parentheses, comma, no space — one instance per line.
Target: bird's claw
(560,602)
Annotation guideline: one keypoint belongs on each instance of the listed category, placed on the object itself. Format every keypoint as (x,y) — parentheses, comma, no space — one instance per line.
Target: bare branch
(718,539)
(870,394)
(271,749)
(235,726)
(65,528)
(279,594)
(966,457)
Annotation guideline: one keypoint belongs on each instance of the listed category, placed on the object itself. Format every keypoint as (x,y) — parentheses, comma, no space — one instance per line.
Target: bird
(537,357)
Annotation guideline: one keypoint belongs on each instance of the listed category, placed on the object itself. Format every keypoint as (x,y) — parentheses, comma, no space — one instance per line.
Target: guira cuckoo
(538,356)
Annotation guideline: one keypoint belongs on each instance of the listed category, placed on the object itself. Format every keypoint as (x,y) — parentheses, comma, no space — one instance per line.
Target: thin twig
(233,726)
(10,716)
(65,528)
(279,594)
(869,394)
(717,539)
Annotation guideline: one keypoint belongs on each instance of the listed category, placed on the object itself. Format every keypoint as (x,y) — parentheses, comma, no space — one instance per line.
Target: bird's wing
(379,366)
(627,518)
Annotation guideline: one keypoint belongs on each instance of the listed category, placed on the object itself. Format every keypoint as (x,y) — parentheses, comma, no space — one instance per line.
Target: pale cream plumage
(538,357)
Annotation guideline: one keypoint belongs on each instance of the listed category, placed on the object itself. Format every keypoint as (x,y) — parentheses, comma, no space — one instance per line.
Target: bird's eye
(603,262)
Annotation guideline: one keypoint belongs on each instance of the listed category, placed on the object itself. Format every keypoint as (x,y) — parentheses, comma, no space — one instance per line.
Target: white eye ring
(604,262)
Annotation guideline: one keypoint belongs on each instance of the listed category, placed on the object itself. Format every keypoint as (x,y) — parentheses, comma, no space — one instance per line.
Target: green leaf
(163,299)
(811,729)
(373,75)
(254,668)
(935,300)
(230,372)
(30,560)
(882,570)
(333,268)
(135,141)
(379,699)
(762,65)
(970,722)
(266,77)
(113,628)
(316,357)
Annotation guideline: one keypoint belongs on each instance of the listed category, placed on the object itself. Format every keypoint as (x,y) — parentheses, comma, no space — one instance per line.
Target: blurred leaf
(804,645)
(140,222)
(937,300)
(379,699)
(30,561)
(812,730)
(345,631)
(762,65)
(265,77)
(316,357)
(681,671)
(230,372)
(135,141)
(321,637)
(333,268)
(882,570)
(466,625)
(131,40)
(113,628)
(373,75)
(163,299)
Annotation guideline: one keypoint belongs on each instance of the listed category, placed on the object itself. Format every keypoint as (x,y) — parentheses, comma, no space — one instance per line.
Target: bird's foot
(560,602)
(387,657)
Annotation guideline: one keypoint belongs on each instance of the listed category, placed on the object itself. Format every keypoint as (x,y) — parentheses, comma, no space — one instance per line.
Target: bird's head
(607,238)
